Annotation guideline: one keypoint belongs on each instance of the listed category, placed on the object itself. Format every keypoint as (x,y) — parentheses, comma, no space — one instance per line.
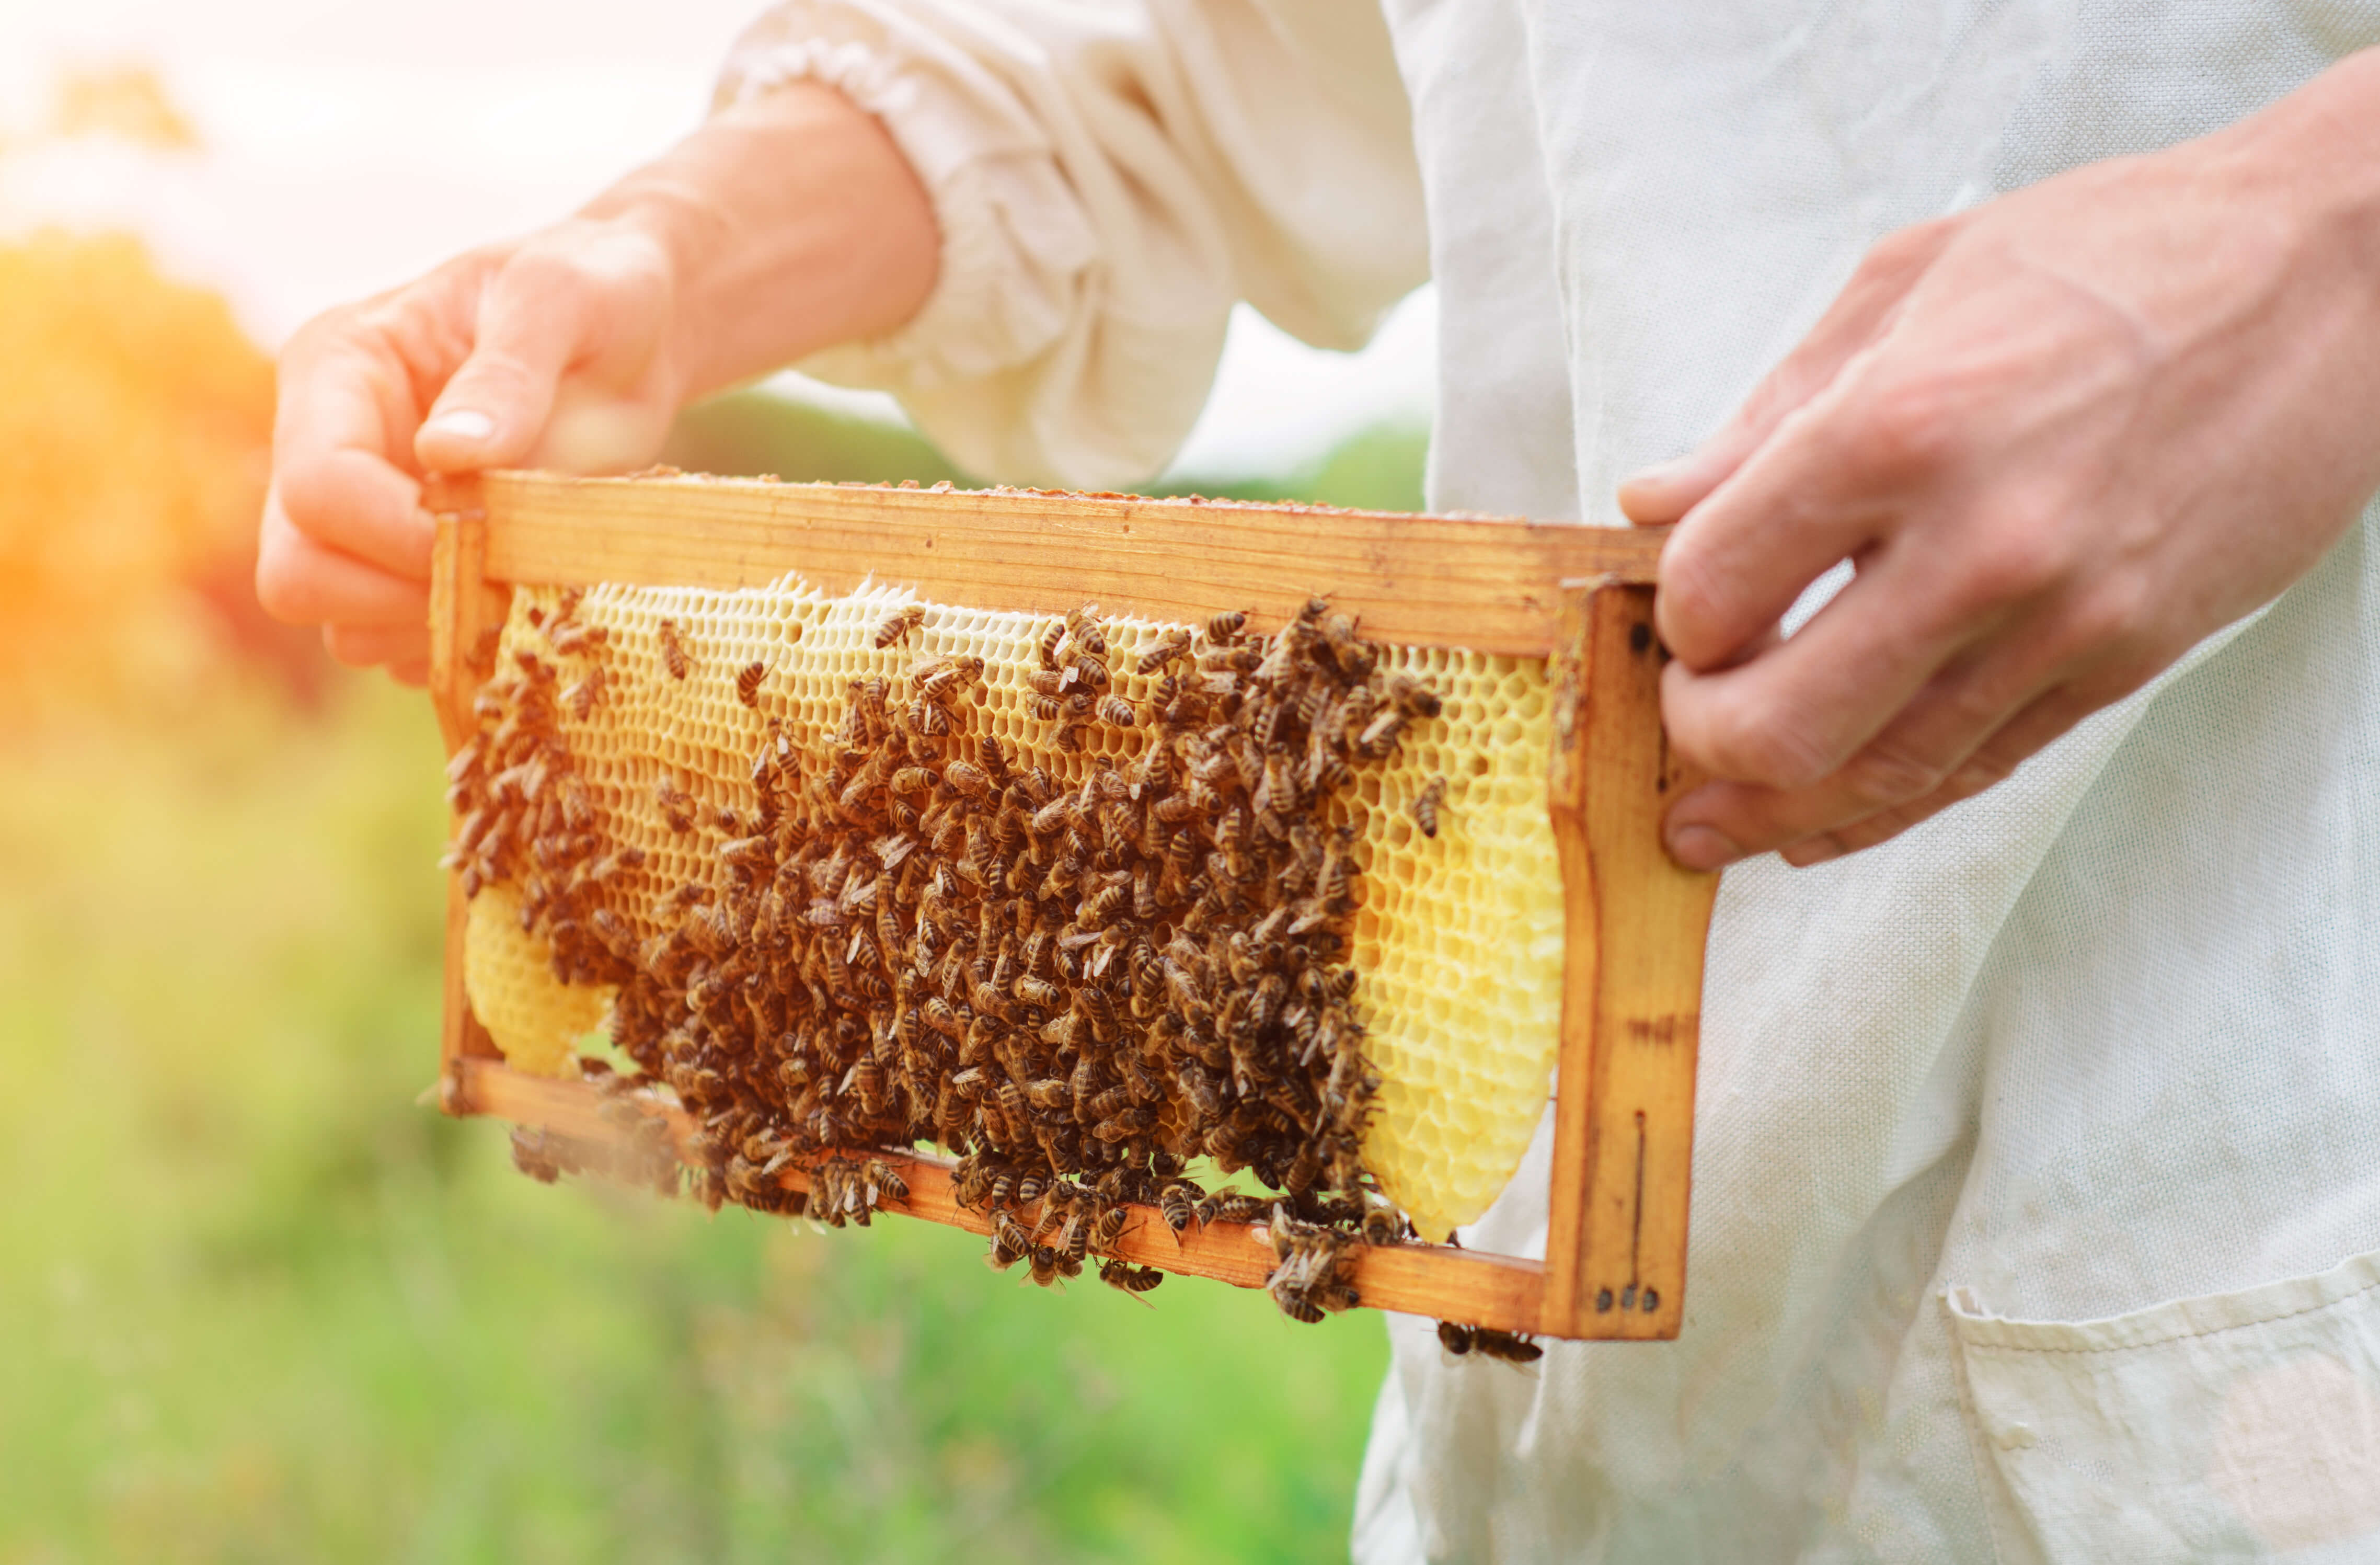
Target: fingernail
(1818,850)
(463,424)
(1659,473)
(1703,847)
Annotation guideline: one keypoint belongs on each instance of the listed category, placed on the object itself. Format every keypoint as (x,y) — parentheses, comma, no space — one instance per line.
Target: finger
(2019,740)
(1791,715)
(301,581)
(1822,490)
(1933,739)
(343,411)
(368,646)
(1858,314)
(529,326)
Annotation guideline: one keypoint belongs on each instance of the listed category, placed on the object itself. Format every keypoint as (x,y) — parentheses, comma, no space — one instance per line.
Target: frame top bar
(1490,584)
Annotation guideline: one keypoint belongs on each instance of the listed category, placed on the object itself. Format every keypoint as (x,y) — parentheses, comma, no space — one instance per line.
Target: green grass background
(259,1304)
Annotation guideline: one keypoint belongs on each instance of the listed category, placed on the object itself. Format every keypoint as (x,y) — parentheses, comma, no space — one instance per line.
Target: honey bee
(1297,1307)
(1116,710)
(1229,1207)
(1412,697)
(571,641)
(1010,1242)
(747,683)
(1110,1227)
(1101,1010)
(898,624)
(1326,770)
(533,1155)
(1178,1204)
(1426,803)
(1380,735)
(1083,624)
(883,1175)
(1226,628)
(677,806)
(940,678)
(1175,644)
(1048,649)
(967,778)
(1503,1345)
(1129,1279)
(673,650)
(994,759)
(1044,1263)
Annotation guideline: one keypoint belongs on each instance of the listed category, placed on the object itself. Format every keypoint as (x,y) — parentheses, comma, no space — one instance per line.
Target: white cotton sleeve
(1110,178)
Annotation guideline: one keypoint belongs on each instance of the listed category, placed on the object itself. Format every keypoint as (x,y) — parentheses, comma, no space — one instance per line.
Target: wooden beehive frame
(1582,597)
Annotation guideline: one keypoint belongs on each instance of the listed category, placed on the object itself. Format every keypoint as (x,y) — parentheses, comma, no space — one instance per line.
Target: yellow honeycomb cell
(1457,945)
(533,1016)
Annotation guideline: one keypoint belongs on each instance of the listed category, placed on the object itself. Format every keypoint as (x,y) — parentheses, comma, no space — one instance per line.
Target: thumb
(495,406)
(1861,313)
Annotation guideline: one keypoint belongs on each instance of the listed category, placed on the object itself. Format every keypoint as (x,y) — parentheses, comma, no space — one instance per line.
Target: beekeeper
(2037,1189)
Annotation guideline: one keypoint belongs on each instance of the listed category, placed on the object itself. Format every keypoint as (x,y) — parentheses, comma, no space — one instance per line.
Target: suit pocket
(2240,1427)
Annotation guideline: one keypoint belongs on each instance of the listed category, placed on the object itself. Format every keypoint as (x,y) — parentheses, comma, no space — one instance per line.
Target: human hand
(546,352)
(784,224)
(2062,437)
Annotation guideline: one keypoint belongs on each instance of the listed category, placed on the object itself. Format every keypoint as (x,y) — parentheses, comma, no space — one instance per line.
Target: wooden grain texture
(1631,985)
(462,606)
(1492,584)
(1445,1283)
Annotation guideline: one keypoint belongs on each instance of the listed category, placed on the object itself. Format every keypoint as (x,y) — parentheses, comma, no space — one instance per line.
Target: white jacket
(2037,1178)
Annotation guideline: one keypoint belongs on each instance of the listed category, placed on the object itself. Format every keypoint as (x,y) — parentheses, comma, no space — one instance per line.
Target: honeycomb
(1455,940)
(533,1017)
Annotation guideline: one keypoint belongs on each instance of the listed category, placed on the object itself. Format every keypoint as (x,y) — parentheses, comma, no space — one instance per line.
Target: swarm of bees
(1077,988)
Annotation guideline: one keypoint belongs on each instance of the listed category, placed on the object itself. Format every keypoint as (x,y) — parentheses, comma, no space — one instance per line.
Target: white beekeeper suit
(2036,1203)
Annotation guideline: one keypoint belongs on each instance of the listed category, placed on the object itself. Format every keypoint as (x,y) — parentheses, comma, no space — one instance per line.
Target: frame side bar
(1637,925)
(463,607)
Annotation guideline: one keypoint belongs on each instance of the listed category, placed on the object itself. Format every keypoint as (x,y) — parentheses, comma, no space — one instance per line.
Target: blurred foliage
(136,429)
(752,431)
(260,1304)
(128,102)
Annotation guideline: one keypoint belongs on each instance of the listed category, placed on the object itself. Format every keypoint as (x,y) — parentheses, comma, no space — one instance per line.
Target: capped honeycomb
(668,703)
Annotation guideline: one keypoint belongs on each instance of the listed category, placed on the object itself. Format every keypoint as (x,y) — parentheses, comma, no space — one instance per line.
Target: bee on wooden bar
(1505,1346)
(881,1175)
(1129,1279)
(673,650)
